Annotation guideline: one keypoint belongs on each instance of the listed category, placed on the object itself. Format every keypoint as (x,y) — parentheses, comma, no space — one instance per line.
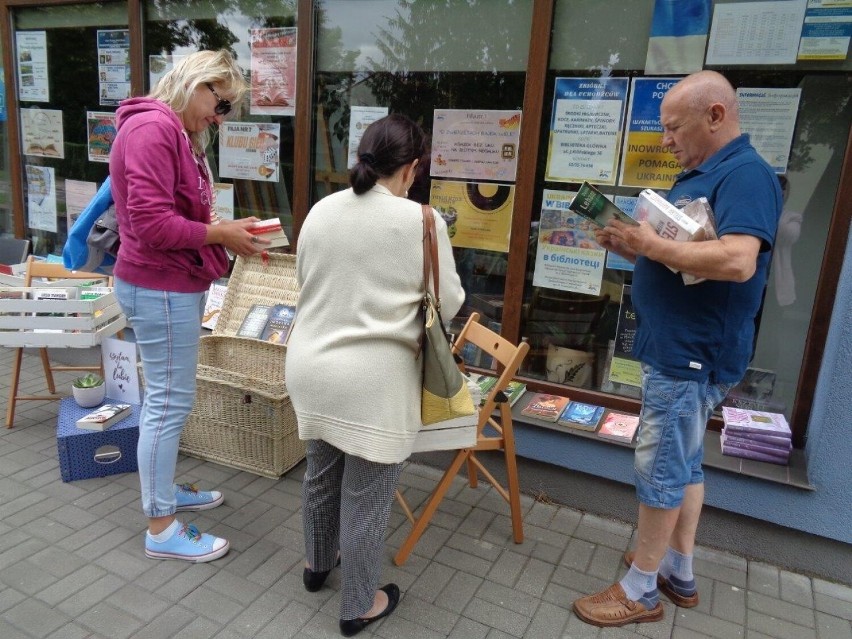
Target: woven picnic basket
(243,417)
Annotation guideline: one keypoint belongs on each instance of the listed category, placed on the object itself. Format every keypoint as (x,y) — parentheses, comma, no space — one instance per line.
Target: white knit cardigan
(350,366)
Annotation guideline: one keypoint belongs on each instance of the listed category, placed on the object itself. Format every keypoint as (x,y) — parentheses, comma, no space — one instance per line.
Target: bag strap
(430,254)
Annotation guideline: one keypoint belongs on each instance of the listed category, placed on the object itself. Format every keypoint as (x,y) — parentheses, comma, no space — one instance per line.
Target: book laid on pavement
(270,230)
(596,207)
(279,323)
(104,416)
(255,321)
(742,419)
(619,427)
(545,407)
(581,416)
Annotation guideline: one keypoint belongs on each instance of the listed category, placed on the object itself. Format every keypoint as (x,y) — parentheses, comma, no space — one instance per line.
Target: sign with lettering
(475,144)
(119,360)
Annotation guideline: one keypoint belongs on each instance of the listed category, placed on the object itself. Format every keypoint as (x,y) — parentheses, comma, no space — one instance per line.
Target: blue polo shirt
(706,331)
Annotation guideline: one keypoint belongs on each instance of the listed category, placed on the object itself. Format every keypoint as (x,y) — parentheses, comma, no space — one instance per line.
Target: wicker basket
(242,416)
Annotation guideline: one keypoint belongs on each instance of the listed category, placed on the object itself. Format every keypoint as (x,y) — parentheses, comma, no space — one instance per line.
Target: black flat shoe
(351,627)
(314,580)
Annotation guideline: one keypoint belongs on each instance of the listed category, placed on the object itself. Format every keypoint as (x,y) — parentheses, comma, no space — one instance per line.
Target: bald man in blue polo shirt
(694,341)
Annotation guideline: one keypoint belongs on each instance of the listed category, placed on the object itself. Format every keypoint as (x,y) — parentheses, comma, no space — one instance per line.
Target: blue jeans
(670,444)
(167,327)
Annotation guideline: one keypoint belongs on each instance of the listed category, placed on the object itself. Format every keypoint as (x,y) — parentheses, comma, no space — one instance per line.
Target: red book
(270,230)
(619,426)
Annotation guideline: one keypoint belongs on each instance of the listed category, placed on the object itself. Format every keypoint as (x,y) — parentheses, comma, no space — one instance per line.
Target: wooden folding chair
(34,270)
(509,357)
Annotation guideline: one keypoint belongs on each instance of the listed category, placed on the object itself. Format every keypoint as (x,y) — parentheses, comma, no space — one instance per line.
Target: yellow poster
(478,214)
(647,163)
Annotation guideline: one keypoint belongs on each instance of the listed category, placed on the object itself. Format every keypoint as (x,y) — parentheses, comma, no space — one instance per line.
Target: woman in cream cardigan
(351,370)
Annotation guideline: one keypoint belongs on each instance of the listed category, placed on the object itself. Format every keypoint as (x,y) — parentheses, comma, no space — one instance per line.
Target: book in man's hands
(270,230)
(277,328)
(103,417)
(545,407)
(596,207)
(581,416)
(619,427)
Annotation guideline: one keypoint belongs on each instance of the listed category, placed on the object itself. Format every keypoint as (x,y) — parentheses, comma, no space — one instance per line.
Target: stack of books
(757,435)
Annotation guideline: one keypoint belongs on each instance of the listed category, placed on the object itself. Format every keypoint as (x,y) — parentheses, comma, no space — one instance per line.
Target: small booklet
(545,407)
(596,207)
(581,416)
(255,321)
(104,417)
(277,328)
(270,230)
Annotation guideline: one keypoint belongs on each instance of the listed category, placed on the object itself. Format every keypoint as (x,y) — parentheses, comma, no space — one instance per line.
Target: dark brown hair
(387,144)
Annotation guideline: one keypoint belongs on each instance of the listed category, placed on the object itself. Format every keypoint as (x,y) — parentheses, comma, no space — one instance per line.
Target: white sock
(166,534)
(638,583)
(676,564)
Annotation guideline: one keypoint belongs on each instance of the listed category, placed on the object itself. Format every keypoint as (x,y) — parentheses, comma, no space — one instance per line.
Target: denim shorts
(670,444)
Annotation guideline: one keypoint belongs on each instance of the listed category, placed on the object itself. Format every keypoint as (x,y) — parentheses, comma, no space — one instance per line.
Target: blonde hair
(176,87)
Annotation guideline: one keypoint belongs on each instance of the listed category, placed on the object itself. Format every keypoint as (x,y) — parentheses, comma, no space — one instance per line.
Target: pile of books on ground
(757,435)
(561,411)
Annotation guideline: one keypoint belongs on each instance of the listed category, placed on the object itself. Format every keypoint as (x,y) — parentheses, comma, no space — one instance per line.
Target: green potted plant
(89,390)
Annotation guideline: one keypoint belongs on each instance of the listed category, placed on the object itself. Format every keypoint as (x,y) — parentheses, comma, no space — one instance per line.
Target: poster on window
(31,53)
(223,200)
(567,256)
(360,117)
(113,66)
(769,117)
(475,144)
(624,368)
(273,71)
(2,96)
(160,65)
(478,215)
(101,134)
(41,133)
(41,198)
(826,31)
(585,129)
(614,260)
(645,163)
(249,150)
(755,32)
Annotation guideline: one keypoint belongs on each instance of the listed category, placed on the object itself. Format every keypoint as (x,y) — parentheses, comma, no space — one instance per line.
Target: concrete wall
(826,511)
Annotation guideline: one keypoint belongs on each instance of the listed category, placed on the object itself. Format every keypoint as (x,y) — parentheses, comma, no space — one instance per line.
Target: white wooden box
(78,323)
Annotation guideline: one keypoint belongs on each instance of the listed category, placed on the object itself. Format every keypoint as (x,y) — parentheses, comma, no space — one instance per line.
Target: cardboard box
(84,454)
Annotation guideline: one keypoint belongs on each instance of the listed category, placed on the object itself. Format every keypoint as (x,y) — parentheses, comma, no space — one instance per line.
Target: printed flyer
(585,129)
(273,71)
(644,161)
(475,145)
(567,256)
(769,117)
(78,194)
(755,32)
(41,198)
(624,368)
(114,65)
(32,66)
(223,200)
(360,117)
(101,128)
(249,150)
(478,215)
(613,260)
(41,132)
(826,31)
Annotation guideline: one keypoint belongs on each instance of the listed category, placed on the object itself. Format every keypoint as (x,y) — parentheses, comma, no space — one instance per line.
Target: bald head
(703,89)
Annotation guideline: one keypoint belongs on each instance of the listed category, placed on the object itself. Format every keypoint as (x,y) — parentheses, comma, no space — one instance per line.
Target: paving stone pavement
(72,563)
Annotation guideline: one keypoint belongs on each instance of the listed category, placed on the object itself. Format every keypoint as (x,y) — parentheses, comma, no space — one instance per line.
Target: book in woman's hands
(270,230)
(103,417)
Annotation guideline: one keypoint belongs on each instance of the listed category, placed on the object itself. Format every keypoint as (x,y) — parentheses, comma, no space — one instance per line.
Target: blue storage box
(81,452)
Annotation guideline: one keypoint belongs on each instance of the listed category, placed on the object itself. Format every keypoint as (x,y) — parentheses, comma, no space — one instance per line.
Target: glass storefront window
(7,226)
(55,98)
(413,58)
(572,334)
(174,29)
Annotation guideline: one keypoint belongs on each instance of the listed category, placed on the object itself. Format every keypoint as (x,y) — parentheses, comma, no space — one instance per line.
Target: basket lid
(269,279)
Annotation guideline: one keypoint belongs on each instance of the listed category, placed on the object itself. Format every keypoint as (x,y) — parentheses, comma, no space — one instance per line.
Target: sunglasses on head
(223,107)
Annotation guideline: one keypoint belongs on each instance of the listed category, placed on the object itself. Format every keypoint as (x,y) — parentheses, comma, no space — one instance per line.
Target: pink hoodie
(162,201)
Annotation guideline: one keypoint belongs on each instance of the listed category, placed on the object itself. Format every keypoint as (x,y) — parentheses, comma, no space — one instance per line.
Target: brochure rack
(243,417)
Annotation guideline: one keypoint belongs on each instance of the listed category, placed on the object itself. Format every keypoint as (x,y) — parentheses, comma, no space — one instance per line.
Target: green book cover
(595,207)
